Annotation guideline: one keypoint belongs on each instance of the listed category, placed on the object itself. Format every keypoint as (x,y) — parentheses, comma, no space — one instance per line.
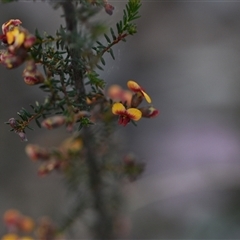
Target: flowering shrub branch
(70,61)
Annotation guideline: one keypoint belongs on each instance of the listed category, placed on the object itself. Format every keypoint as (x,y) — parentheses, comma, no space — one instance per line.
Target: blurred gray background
(187,56)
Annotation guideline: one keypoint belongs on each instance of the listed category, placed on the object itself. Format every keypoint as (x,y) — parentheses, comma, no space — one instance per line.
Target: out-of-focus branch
(102,228)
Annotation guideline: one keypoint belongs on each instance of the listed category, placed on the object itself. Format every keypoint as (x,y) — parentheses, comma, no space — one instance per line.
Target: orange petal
(134,114)
(133,86)
(118,109)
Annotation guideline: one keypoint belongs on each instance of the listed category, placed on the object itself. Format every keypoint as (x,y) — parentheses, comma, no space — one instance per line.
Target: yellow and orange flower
(138,89)
(125,115)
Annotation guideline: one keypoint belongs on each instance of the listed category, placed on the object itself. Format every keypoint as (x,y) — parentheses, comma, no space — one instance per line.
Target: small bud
(136,100)
(109,8)
(33,78)
(53,122)
(12,122)
(31,74)
(23,136)
(35,152)
(149,112)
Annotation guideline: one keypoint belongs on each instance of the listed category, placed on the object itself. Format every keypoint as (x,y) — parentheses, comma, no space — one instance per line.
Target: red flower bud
(32,78)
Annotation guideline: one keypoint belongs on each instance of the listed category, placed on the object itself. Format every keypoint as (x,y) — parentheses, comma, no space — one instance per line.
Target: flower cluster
(18,41)
(21,227)
(128,107)
(57,158)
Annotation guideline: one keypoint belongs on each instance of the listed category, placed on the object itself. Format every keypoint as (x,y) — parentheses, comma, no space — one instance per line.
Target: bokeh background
(187,56)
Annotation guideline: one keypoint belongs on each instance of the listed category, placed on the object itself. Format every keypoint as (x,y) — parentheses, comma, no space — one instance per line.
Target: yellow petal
(19,39)
(118,108)
(148,99)
(134,114)
(133,86)
(10,37)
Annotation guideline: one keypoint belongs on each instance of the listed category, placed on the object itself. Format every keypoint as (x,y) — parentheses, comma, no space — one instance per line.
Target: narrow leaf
(107,38)
(113,34)
(111,53)
(102,61)
(38,123)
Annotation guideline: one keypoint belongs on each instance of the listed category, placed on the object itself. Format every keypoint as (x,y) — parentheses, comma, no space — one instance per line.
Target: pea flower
(19,37)
(7,26)
(125,115)
(15,36)
(138,90)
